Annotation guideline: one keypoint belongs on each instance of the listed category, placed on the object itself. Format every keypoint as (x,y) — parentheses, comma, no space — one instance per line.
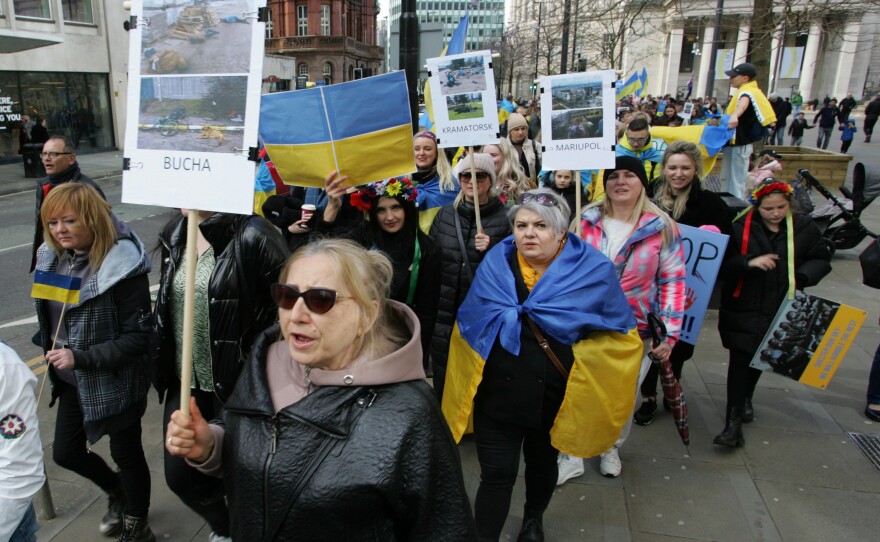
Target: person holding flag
(96,342)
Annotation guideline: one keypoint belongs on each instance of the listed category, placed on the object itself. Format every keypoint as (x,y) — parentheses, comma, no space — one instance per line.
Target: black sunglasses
(541,199)
(466,176)
(317,300)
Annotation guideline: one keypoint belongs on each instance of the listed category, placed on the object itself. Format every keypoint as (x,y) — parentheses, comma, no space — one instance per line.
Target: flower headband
(395,187)
(429,135)
(768,188)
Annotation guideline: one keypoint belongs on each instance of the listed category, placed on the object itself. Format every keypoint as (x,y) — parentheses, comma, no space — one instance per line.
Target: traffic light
(533,87)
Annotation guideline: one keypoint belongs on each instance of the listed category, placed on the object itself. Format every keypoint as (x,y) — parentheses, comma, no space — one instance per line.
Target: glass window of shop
(76,105)
(38,9)
(77,11)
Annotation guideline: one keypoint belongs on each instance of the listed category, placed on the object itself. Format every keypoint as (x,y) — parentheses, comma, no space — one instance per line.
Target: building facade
(330,38)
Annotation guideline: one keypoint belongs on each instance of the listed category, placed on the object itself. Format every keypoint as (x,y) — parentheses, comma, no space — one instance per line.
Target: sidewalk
(798,478)
(98,166)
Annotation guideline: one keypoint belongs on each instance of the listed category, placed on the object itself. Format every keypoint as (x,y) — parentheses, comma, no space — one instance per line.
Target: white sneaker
(610,464)
(569,467)
(214,537)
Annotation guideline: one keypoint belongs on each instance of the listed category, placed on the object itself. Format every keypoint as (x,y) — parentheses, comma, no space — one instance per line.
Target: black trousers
(869,125)
(844,146)
(741,379)
(70,451)
(498,451)
(206,495)
(680,353)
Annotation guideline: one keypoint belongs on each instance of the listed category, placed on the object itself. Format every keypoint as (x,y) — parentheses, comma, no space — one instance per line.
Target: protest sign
(808,339)
(463,99)
(703,252)
(577,125)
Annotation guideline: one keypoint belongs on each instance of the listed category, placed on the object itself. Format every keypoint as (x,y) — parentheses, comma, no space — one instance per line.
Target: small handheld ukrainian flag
(55,287)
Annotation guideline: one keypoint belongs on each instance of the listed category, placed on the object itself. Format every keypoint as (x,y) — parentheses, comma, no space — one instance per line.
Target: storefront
(76,105)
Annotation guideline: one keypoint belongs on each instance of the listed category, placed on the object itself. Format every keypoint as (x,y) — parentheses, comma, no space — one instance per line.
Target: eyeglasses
(466,176)
(317,300)
(541,199)
(52,155)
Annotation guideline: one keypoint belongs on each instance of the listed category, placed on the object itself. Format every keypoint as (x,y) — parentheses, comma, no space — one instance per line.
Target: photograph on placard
(196,37)
(202,114)
(579,131)
(463,99)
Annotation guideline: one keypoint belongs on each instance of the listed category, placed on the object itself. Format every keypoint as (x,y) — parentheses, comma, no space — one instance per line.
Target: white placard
(195,71)
(577,126)
(463,99)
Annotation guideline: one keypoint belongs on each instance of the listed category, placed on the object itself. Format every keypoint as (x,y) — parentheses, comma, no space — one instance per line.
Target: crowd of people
(315,333)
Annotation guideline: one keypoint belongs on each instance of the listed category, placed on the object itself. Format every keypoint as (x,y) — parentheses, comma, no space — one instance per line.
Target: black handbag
(870,261)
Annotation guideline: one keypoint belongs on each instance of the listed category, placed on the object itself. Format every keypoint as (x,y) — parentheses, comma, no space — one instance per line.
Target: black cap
(745,68)
(770,152)
(629,163)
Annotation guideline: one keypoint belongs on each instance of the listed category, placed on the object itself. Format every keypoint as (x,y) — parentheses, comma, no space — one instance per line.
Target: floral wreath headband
(395,187)
(767,188)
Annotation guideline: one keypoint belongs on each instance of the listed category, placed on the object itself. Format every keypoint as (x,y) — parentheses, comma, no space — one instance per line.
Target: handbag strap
(464,255)
(546,347)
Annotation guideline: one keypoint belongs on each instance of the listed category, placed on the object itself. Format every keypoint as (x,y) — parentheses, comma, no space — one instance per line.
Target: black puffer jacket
(454,278)
(377,462)
(249,255)
(744,320)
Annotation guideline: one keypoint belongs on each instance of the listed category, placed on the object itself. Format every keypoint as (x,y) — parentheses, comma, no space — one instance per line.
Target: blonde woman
(509,177)
(434,178)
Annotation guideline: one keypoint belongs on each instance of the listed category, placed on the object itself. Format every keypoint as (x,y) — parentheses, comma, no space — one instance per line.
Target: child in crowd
(846,138)
(796,130)
(766,165)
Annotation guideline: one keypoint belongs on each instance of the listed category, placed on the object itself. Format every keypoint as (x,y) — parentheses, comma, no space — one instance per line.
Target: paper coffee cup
(307,212)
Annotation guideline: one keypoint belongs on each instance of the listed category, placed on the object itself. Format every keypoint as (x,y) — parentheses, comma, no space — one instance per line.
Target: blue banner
(703,252)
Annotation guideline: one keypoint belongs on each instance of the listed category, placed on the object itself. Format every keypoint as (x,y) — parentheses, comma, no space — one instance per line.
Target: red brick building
(329,38)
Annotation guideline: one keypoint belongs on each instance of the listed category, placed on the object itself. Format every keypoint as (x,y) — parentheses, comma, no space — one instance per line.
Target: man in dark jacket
(59,159)
(872,112)
(827,118)
(846,106)
(783,109)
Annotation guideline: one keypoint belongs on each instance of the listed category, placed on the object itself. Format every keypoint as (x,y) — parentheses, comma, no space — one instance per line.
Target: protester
(638,144)
(238,258)
(679,192)
(527,151)
(97,349)
(565,182)
(826,119)
(331,433)
(393,228)
(645,246)
(434,178)
(669,118)
(755,281)
(846,107)
(509,177)
(848,134)
(541,284)
(782,109)
(462,247)
(796,130)
(22,473)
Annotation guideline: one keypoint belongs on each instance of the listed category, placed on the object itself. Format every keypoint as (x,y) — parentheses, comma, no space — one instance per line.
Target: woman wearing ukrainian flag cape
(541,285)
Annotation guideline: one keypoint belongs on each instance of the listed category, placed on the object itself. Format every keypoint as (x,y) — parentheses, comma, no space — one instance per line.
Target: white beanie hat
(483,162)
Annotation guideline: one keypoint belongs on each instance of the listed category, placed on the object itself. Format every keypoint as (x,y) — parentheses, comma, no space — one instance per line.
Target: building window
(325,19)
(303,70)
(77,11)
(38,9)
(689,44)
(269,24)
(302,20)
(328,73)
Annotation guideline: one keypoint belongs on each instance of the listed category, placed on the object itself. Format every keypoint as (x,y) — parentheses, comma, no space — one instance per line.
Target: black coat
(240,303)
(744,320)
(454,279)
(392,471)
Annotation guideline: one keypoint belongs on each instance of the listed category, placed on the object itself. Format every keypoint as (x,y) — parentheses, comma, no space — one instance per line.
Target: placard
(808,339)
(577,127)
(463,99)
(703,252)
(195,70)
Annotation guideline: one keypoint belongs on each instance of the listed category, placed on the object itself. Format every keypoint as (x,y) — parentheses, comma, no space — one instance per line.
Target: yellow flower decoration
(393,189)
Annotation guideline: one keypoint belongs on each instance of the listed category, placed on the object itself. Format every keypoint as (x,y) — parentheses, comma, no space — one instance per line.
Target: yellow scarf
(530,276)
(763,110)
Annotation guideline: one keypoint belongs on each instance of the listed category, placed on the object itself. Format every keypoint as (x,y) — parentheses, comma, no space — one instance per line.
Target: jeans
(778,135)
(206,495)
(874,380)
(70,451)
(823,133)
(498,451)
(796,141)
(741,379)
(735,168)
(25,532)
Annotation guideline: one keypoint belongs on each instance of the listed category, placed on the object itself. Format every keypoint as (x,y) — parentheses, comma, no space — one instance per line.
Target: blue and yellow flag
(709,138)
(55,287)
(362,129)
(632,85)
(643,80)
(455,47)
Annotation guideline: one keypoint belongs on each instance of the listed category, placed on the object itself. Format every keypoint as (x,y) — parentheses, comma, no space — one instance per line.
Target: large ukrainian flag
(55,287)
(710,139)
(361,128)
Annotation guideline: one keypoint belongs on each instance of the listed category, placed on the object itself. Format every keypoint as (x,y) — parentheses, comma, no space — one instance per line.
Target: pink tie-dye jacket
(653,278)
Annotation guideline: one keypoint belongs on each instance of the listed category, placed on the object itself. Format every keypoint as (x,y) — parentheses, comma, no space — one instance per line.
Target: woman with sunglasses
(393,228)
(332,433)
(645,246)
(462,247)
(762,272)
(434,178)
(238,258)
(543,306)
(96,349)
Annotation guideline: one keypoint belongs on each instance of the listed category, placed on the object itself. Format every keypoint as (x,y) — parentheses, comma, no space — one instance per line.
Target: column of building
(811,58)
(705,62)
(675,31)
(850,42)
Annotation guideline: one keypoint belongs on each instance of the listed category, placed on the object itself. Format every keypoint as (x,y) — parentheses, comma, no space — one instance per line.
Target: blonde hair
(445,176)
(91,210)
(675,206)
(510,177)
(643,205)
(366,276)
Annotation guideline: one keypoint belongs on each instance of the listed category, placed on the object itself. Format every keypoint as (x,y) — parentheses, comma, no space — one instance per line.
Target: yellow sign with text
(833,347)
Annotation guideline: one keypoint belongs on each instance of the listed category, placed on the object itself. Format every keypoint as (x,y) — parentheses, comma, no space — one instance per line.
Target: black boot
(111,523)
(732,435)
(748,411)
(135,530)
(532,529)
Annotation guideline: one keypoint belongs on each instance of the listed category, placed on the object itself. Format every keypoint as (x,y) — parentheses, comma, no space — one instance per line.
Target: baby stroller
(840,220)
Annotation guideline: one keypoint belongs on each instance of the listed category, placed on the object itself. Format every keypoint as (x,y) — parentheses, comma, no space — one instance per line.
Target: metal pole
(537,46)
(716,32)
(574,37)
(409,56)
(566,19)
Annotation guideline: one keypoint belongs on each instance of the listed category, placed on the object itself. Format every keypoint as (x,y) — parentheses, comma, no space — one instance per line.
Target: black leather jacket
(240,303)
(353,463)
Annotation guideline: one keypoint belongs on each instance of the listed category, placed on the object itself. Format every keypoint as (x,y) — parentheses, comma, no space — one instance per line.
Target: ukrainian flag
(361,128)
(643,79)
(632,85)
(55,287)
(709,138)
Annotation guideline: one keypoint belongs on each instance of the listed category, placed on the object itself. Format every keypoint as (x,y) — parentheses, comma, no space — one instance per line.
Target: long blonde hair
(510,178)
(91,210)
(663,196)
(643,205)
(445,175)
